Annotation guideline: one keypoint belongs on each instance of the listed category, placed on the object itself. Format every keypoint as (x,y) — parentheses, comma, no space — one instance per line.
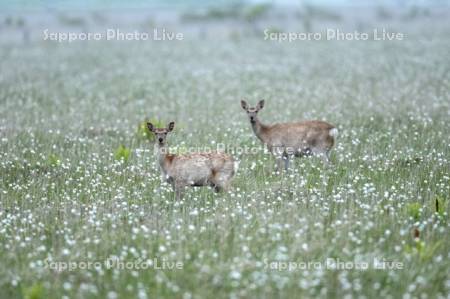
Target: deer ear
(171,126)
(244,105)
(150,127)
(260,105)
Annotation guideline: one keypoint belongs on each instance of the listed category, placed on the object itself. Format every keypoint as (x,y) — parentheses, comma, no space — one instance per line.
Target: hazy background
(24,21)
(80,182)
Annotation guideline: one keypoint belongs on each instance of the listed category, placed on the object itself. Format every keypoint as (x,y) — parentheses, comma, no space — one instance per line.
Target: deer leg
(326,157)
(278,164)
(179,190)
(226,183)
(213,181)
(221,181)
(286,163)
(278,152)
(179,193)
(327,154)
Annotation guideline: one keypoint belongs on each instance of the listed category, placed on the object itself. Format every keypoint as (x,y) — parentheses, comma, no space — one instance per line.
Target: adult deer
(285,140)
(195,169)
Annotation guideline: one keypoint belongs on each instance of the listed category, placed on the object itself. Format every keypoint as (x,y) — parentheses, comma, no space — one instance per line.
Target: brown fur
(169,158)
(312,133)
(292,139)
(196,169)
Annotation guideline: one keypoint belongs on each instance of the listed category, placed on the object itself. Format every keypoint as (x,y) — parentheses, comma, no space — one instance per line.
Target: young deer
(292,139)
(196,169)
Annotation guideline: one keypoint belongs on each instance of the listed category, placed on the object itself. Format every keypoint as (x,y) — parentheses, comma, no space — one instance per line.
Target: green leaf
(122,153)
(53,160)
(36,291)
(414,210)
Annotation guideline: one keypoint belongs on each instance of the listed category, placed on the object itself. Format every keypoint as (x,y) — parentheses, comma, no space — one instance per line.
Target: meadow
(80,183)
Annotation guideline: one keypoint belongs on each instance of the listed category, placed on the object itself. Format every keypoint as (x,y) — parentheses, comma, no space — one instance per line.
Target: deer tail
(333,133)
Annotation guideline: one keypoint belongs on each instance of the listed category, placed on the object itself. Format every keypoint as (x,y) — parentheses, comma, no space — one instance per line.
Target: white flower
(235,275)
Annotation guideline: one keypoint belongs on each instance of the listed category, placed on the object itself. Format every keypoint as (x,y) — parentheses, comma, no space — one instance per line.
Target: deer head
(161,133)
(252,111)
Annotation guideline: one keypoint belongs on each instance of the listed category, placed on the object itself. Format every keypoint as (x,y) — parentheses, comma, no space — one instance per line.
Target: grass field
(80,183)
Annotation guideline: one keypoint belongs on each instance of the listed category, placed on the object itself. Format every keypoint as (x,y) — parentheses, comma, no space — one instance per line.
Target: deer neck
(163,157)
(260,130)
